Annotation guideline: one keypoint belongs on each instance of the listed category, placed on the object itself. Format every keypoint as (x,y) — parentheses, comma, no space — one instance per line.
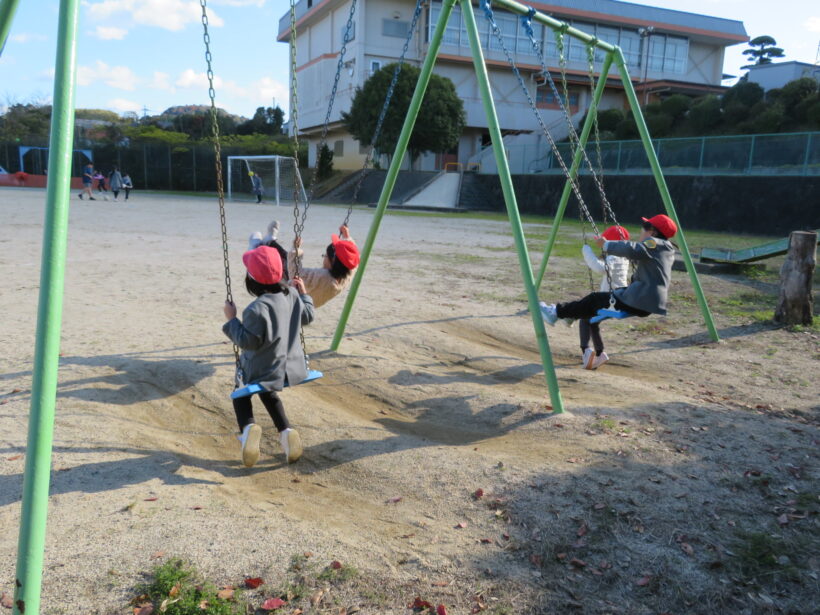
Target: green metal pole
(576,162)
(7,10)
(31,543)
(664,190)
(512,206)
(395,165)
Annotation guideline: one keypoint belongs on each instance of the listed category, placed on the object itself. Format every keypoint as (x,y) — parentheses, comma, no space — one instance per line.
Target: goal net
(279,177)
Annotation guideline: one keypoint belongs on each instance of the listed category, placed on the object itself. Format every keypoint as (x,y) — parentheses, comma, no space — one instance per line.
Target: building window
(545,97)
(338,148)
(375,66)
(631,46)
(666,53)
(395,28)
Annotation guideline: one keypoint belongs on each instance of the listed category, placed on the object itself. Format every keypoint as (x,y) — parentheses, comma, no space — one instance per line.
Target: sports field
(683,477)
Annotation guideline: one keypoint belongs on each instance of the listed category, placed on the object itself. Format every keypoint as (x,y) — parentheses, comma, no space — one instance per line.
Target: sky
(144,56)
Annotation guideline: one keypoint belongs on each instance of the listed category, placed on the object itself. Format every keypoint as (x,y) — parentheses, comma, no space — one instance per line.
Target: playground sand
(436,392)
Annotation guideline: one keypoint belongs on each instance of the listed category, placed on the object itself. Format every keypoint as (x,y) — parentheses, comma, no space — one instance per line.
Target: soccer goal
(279,174)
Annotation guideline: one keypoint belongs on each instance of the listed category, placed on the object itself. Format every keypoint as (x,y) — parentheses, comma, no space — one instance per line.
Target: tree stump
(795,305)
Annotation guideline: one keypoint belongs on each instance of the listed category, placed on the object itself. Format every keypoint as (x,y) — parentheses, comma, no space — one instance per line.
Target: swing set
(44,382)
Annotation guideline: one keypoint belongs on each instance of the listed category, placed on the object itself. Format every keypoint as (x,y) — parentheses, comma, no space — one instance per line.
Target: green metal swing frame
(31,541)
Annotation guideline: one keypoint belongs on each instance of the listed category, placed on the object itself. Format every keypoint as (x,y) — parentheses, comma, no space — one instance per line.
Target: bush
(325,163)
(705,115)
(794,92)
(768,121)
(747,93)
(609,119)
(626,129)
(676,105)
(659,124)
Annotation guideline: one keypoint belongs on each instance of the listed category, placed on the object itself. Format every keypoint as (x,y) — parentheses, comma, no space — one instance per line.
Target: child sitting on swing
(616,272)
(272,356)
(339,261)
(646,294)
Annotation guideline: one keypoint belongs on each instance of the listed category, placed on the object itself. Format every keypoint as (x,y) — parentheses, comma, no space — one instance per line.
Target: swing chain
(220,192)
(383,113)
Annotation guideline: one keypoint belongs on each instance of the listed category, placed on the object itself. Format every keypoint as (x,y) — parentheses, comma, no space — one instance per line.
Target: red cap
(346,251)
(264,264)
(615,233)
(664,224)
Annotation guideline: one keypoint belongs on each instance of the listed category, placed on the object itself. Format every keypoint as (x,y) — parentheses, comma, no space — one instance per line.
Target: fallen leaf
(440,610)
(439,583)
(6,601)
(419,604)
(583,530)
(174,591)
(16,390)
(486,540)
(578,563)
(407,535)
(783,519)
(225,594)
(146,609)
(687,548)
(461,526)
(152,499)
(196,507)
(316,598)
(297,612)
(157,554)
(335,565)
(643,581)
(478,494)
(204,605)
(394,500)
(536,560)
(599,506)
(253,582)
(13,458)
(271,604)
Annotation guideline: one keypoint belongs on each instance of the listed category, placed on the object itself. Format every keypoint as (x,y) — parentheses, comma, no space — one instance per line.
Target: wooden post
(795,306)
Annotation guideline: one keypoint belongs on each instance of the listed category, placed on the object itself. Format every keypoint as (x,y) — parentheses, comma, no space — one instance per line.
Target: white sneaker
(273,231)
(600,360)
(250,438)
(255,240)
(589,358)
(548,313)
(292,443)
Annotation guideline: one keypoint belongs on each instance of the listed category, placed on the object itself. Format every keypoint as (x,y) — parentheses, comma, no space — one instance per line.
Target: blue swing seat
(605,313)
(253,389)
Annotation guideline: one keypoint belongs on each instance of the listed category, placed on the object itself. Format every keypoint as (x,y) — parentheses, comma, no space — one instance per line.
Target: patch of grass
(604,425)
(652,327)
(338,573)
(762,555)
(176,590)
(456,259)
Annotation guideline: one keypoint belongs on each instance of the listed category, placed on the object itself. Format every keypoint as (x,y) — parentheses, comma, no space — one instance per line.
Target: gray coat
(115,180)
(269,338)
(650,283)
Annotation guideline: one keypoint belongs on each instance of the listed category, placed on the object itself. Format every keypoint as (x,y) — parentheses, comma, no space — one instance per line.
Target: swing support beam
(31,541)
(506,183)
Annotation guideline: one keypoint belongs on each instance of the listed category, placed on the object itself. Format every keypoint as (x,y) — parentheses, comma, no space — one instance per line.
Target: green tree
(266,121)
(324,166)
(156,135)
(96,114)
(762,50)
(25,121)
(439,124)
(747,93)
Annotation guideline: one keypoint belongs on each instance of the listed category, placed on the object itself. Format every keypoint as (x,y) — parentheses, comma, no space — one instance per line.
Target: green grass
(176,590)
(762,555)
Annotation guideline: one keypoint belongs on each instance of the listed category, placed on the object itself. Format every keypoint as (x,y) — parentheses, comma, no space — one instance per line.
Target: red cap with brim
(664,224)
(346,251)
(615,233)
(264,264)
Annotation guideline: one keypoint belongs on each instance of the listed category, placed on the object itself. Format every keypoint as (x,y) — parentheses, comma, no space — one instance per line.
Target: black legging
(244,410)
(587,308)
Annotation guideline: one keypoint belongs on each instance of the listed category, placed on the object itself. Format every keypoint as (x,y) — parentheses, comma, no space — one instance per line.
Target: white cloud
(161,81)
(122,105)
(27,37)
(108,33)
(257,3)
(167,14)
(191,79)
(118,77)
(813,24)
(266,89)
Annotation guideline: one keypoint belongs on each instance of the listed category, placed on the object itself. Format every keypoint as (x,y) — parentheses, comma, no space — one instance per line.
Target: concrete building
(776,75)
(667,52)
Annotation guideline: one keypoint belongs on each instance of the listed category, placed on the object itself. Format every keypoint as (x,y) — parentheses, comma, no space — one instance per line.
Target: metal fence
(152,167)
(766,154)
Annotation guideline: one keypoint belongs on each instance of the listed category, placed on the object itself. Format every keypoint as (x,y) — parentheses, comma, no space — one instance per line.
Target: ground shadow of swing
(431,422)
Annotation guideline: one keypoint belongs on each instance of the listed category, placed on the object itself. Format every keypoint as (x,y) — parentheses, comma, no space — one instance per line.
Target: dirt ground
(682,478)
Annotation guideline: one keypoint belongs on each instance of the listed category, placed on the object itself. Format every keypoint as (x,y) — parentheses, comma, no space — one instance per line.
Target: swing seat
(605,313)
(253,389)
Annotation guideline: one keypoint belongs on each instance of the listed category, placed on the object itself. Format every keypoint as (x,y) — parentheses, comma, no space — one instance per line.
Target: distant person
(272,356)
(127,185)
(101,185)
(257,186)
(115,182)
(88,181)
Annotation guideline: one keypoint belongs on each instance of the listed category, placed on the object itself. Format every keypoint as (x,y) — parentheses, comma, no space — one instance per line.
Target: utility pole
(646,35)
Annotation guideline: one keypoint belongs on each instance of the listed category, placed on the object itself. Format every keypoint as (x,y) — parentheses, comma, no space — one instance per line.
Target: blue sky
(135,54)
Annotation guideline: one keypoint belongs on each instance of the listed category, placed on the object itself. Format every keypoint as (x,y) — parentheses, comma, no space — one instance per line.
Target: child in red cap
(340,259)
(272,355)
(646,294)
(616,273)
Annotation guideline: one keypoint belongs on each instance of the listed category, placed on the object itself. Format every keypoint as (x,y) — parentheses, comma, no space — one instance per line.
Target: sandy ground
(437,391)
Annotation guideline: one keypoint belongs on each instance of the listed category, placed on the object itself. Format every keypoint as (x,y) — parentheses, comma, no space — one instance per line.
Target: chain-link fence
(769,154)
(152,167)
